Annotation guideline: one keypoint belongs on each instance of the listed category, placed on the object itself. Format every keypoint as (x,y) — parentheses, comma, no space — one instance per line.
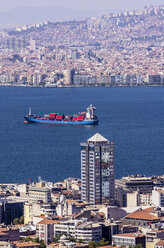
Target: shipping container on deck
(59,117)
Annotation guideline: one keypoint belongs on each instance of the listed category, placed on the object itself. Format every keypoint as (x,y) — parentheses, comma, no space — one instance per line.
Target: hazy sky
(81,4)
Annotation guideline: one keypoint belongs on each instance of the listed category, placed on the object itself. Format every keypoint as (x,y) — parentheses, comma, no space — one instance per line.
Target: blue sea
(132,117)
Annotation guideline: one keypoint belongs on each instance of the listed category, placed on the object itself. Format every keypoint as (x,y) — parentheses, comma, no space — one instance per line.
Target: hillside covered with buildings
(118,49)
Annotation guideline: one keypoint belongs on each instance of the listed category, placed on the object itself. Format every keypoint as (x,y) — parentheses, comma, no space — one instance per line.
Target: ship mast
(29,112)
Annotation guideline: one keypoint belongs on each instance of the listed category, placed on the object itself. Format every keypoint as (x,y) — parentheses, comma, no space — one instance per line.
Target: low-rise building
(158,197)
(128,239)
(143,217)
(41,194)
(45,230)
(9,234)
(138,183)
(153,236)
(89,232)
(159,244)
(28,244)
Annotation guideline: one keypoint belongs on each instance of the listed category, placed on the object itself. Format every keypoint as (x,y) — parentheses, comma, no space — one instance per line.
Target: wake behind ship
(82,118)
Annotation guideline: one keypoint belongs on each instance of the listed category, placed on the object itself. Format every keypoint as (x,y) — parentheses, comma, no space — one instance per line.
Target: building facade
(11,210)
(97,170)
(40,194)
(128,239)
(158,197)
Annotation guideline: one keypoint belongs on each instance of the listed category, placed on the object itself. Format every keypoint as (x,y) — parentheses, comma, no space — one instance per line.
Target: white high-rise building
(158,197)
(33,44)
(97,170)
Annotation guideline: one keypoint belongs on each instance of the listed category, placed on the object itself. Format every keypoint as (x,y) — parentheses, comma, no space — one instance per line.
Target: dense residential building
(153,236)
(158,197)
(159,244)
(129,239)
(45,230)
(117,49)
(68,207)
(97,170)
(41,194)
(9,234)
(89,231)
(29,244)
(143,217)
(138,183)
(11,210)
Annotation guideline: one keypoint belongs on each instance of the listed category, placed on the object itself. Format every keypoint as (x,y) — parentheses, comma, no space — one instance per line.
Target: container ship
(82,118)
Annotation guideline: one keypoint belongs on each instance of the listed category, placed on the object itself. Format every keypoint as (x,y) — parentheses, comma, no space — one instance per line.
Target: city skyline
(14,14)
(85,5)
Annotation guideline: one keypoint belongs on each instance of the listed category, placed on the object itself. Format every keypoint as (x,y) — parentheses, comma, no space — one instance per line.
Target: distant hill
(29,15)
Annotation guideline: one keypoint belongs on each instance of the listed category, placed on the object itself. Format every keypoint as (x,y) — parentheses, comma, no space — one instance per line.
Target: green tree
(92,244)
(21,220)
(138,246)
(42,244)
(28,239)
(57,237)
(103,242)
(72,239)
(80,241)
(36,240)
(22,238)
(16,221)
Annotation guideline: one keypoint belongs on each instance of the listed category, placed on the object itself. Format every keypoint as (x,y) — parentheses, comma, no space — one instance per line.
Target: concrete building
(41,194)
(9,234)
(154,79)
(28,213)
(128,239)
(4,244)
(159,244)
(23,189)
(45,230)
(33,44)
(68,207)
(68,227)
(146,199)
(143,217)
(158,197)
(97,170)
(135,182)
(133,199)
(153,236)
(121,197)
(11,210)
(29,244)
(89,232)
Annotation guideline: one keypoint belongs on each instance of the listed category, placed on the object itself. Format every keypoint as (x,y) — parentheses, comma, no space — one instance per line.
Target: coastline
(80,86)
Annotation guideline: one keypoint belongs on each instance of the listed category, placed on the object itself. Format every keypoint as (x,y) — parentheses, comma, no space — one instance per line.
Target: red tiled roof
(108,246)
(47,221)
(143,214)
(130,235)
(160,243)
(25,244)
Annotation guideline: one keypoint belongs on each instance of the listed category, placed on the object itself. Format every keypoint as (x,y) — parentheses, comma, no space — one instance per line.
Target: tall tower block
(97,170)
